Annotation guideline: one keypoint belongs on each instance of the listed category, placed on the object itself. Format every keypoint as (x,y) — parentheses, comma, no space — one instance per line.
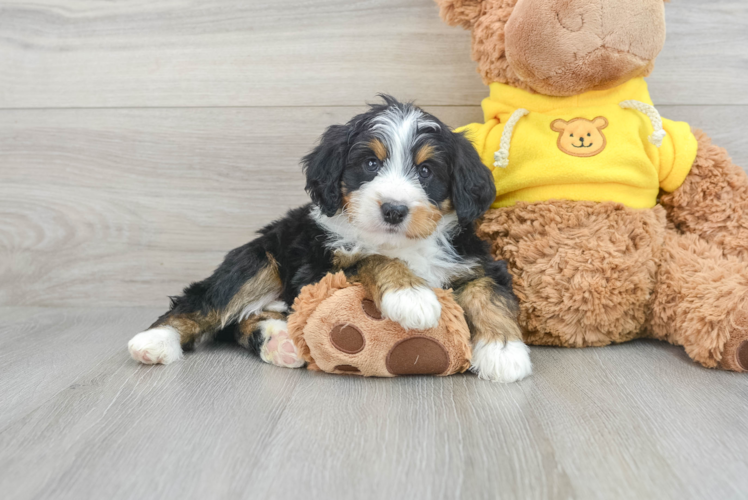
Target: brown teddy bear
(615,222)
(336,328)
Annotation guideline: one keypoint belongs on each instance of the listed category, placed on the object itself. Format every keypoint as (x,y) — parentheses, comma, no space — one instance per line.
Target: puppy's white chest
(429,262)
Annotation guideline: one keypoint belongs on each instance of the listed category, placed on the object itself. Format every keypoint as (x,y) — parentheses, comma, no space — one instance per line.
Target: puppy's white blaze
(399,129)
(414,308)
(157,345)
(393,184)
(500,362)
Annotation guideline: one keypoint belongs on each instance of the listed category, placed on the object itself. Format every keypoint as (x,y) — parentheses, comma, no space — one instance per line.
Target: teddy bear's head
(561,47)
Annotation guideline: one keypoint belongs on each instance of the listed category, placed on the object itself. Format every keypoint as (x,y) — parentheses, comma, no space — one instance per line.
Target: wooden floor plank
(705,58)
(642,422)
(140,432)
(44,351)
(88,53)
(649,418)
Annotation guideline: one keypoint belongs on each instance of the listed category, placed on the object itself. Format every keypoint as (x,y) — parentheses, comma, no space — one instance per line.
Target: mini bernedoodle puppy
(395,193)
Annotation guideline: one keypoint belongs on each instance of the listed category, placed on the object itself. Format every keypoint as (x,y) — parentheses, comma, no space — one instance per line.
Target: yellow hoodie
(607,145)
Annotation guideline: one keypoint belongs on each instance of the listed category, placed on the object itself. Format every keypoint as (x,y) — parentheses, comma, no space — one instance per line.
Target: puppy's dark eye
(424,172)
(571,135)
(372,165)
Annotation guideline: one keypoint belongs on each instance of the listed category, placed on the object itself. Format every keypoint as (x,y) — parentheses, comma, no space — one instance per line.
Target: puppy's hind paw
(414,308)
(157,345)
(277,347)
(501,362)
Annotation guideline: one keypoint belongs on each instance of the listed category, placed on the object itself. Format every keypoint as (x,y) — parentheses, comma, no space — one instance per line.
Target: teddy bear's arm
(712,202)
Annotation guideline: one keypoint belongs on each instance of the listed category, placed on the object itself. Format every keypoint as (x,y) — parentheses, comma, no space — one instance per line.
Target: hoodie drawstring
(654,116)
(501,157)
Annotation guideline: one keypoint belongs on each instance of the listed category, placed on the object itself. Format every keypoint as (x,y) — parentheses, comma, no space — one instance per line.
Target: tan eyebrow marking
(379,149)
(425,152)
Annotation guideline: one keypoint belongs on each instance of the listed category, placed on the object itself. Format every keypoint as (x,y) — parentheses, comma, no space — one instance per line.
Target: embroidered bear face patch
(581,137)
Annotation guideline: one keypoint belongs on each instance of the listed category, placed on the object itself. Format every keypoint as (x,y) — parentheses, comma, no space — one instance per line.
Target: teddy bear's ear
(559,125)
(600,122)
(460,12)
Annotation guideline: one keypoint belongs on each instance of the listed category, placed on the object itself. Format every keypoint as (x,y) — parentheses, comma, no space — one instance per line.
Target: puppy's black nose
(394,214)
(581,139)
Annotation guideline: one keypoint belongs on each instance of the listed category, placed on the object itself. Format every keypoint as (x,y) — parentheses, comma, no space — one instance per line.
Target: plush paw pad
(501,362)
(417,356)
(742,355)
(157,345)
(347,338)
(278,348)
(735,350)
(370,309)
(414,308)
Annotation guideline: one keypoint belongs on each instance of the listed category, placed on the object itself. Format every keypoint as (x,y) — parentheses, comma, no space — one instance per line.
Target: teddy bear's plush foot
(337,328)
(701,302)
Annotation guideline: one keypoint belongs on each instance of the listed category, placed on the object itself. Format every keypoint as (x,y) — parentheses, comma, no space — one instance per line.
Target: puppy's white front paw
(157,345)
(500,362)
(414,308)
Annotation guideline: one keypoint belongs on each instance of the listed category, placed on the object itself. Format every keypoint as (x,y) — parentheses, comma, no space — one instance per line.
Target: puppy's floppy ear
(473,188)
(324,168)
(460,12)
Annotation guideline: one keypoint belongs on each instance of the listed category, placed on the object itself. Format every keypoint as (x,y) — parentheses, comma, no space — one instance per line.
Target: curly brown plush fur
(700,301)
(713,201)
(583,271)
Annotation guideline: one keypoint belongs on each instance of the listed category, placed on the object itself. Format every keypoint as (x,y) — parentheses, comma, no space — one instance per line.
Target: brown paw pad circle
(417,356)
(742,355)
(347,338)
(371,309)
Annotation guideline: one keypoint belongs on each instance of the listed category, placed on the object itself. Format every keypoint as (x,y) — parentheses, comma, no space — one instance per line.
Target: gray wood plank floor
(139,141)
(632,421)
